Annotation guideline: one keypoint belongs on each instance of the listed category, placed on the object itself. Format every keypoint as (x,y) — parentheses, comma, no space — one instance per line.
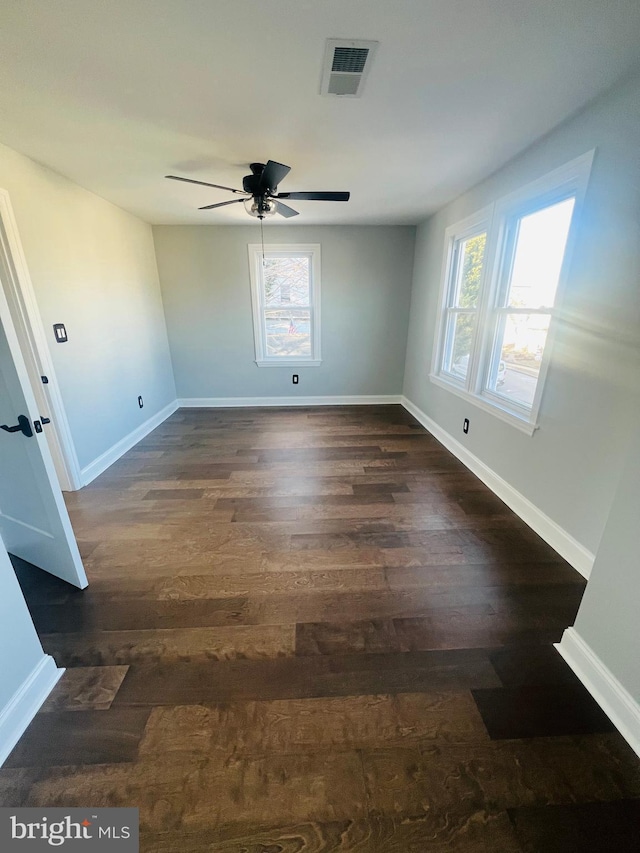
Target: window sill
(502,414)
(289,362)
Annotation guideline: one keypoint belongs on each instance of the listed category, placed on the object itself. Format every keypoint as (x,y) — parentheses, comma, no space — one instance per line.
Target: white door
(34,523)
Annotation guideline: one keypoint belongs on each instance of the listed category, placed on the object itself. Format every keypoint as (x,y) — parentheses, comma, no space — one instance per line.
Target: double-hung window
(285,294)
(504,269)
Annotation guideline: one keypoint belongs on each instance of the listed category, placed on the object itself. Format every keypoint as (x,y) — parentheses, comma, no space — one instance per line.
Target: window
(503,274)
(285,292)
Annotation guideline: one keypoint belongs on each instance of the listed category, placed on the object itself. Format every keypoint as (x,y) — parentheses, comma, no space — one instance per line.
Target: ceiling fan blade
(203,184)
(316,196)
(272,174)
(285,210)
(221,204)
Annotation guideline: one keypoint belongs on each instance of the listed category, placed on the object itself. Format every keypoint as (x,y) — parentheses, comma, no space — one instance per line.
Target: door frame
(25,315)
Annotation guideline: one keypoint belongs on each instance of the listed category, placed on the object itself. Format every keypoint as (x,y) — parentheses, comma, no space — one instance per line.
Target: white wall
(609,616)
(20,649)
(27,674)
(93,268)
(366,284)
(570,467)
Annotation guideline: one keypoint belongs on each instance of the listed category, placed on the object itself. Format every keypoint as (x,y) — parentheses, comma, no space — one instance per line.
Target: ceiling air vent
(346,64)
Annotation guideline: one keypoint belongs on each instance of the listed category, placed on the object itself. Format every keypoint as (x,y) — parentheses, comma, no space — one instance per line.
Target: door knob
(22,426)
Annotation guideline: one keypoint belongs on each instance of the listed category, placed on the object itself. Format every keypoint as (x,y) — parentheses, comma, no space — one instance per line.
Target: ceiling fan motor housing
(251,183)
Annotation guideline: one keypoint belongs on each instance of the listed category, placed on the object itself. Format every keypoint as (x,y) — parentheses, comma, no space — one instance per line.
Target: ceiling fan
(260,191)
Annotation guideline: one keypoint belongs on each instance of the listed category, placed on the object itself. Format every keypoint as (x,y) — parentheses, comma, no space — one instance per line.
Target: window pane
(538,256)
(515,372)
(470,257)
(286,281)
(460,329)
(288,333)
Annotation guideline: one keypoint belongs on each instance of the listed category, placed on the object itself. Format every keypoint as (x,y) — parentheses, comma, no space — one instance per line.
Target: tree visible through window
(469,293)
(464,293)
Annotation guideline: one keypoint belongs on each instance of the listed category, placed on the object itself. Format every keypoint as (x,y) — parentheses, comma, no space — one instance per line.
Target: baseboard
(25,704)
(259,402)
(617,703)
(560,540)
(95,468)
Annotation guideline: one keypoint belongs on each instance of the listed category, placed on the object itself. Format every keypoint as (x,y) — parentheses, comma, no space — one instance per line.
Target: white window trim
(571,179)
(257,303)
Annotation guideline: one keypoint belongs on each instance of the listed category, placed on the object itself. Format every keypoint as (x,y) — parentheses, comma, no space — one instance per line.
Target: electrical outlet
(140,402)
(465,426)
(295,378)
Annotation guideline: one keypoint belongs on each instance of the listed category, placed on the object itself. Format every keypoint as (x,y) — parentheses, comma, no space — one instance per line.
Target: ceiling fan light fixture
(260,189)
(260,208)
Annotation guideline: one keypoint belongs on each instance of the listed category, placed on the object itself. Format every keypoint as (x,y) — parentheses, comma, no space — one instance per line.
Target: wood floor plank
(16,785)
(481,575)
(173,494)
(128,614)
(174,792)
(288,788)
(480,832)
(288,726)
(464,628)
(268,503)
(595,766)
(539,711)
(331,638)
(437,777)
(111,648)
(576,828)
(298,678)
(90,688)
(272,583)
(341,606)
(160,789)
(80,737)
(519,666)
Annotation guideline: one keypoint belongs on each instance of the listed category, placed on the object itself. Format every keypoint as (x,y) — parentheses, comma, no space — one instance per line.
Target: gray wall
(366,284)
(93,268)
(570,467)
(609,616)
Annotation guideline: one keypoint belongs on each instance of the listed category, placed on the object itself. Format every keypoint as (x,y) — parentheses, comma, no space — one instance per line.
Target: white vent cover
(346,64)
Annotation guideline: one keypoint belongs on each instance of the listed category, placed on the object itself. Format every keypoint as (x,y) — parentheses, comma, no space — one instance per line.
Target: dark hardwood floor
(314,630)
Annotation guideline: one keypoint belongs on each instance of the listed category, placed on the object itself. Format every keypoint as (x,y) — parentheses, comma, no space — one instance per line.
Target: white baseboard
(260,402)
(573,551)
(25,704)
(95,468)
(617,703)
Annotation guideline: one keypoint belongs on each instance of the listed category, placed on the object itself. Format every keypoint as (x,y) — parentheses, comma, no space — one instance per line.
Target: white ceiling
(114,94)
